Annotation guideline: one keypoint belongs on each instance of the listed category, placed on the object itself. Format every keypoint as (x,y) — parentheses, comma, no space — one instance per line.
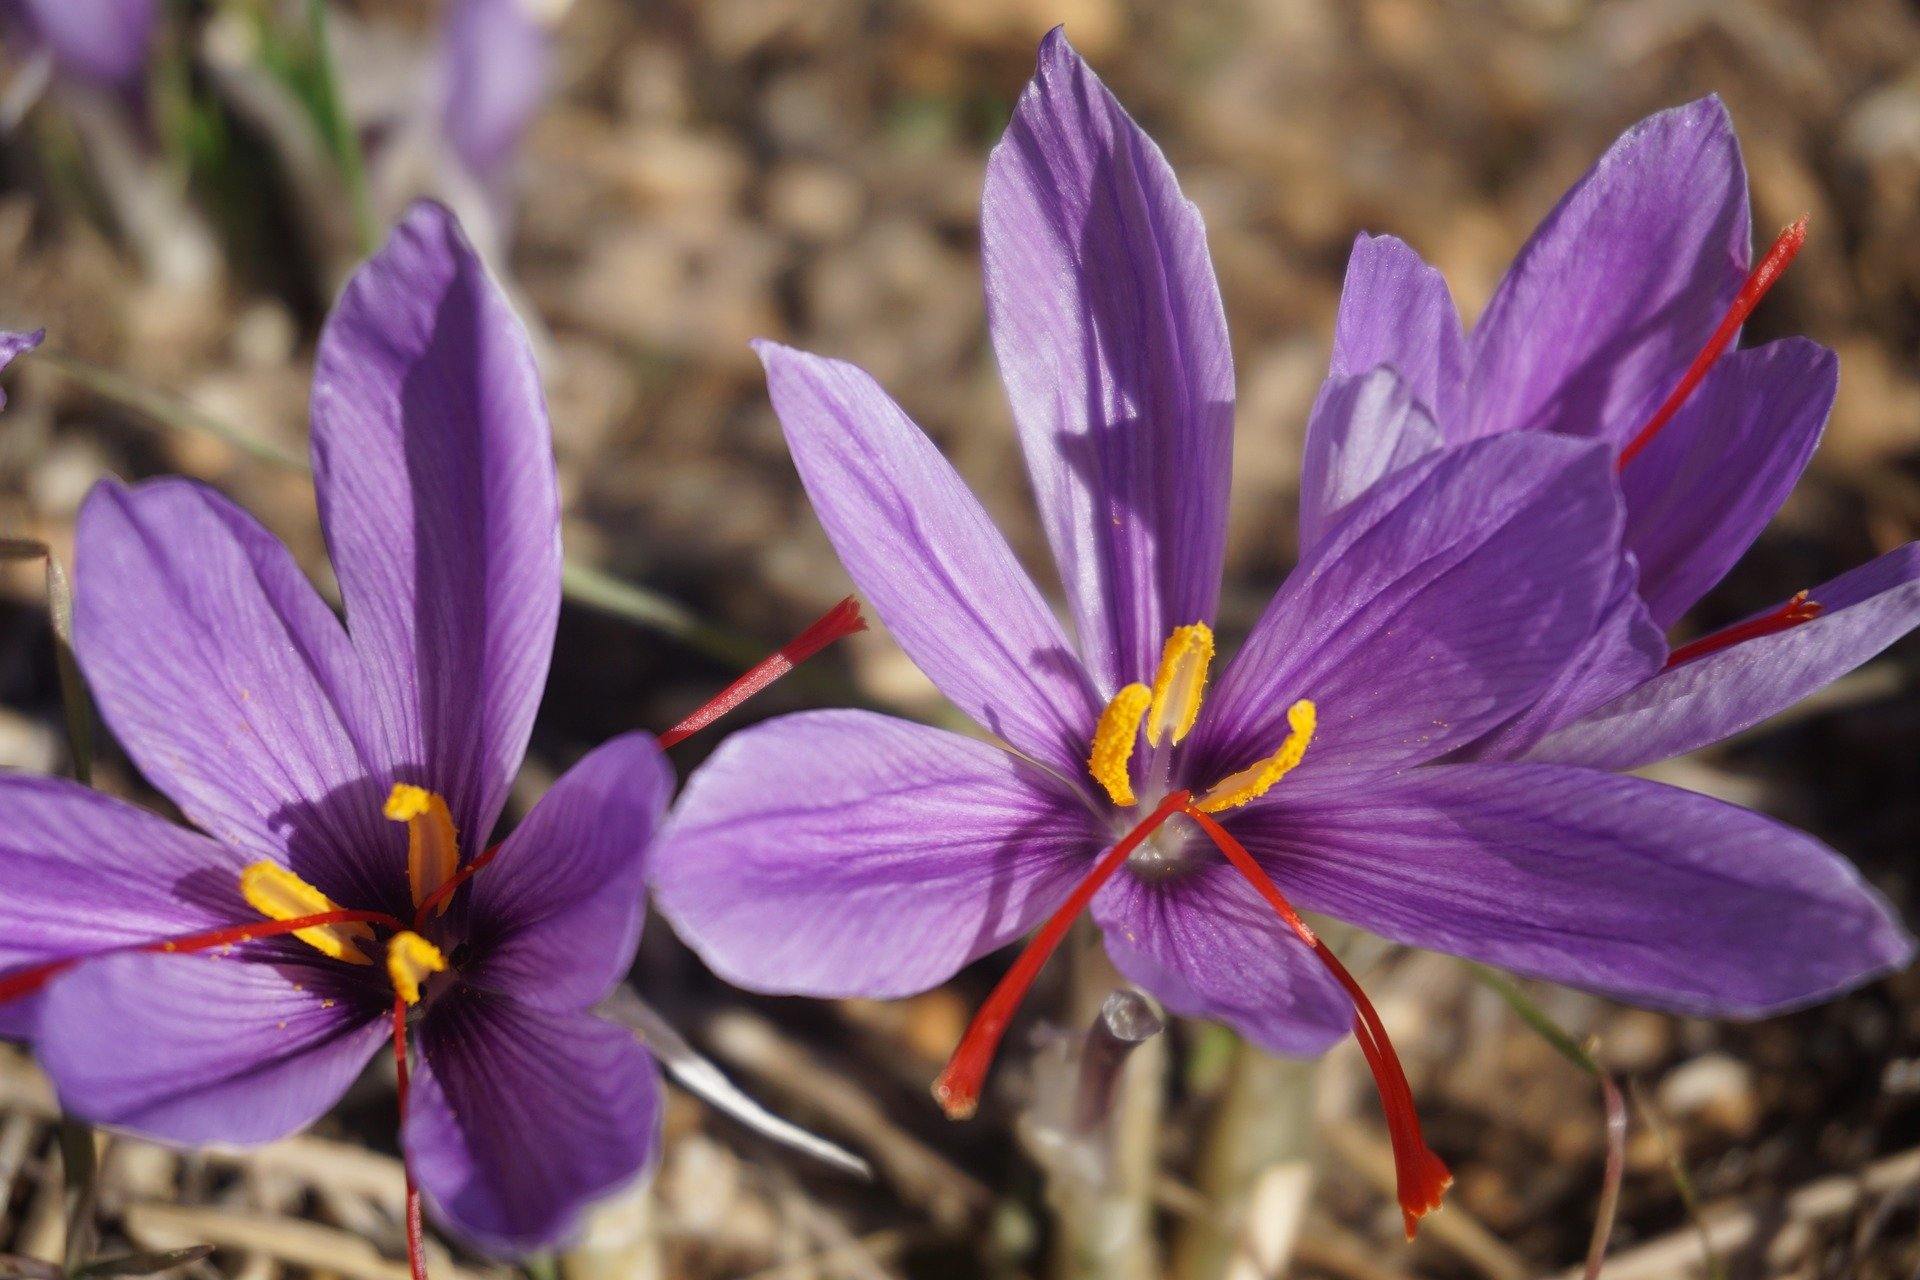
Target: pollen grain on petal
(1255,780)
(433,845)
(411,960)
(1180,683)
(1113,740)
(279,894)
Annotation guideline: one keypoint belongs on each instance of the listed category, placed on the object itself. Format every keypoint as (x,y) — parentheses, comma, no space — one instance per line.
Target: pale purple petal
(1620,287)
(842,853)
(1624,651)
(555,917)
(104,42)
(520,1118)
(1363,428)
(495,57)
(1702,701)
(1644,892)
(206,1048)
(929,561)
(84,872)
(13,345)
(1709,482)
(434,469)
(1107,322)
(1440,604)
(230,683)
(1206,946)
(1396,310)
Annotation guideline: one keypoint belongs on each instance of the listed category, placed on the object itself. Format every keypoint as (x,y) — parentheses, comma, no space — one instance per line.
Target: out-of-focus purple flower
(103,43)
(227,987)
(13,345)
(495,57)
(1616,323)
(845,853)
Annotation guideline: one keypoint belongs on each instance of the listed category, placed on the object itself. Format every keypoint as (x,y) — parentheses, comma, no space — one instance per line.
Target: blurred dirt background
(706,173)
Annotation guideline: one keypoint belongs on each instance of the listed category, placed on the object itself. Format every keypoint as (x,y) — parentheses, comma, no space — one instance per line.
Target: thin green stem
(334,124)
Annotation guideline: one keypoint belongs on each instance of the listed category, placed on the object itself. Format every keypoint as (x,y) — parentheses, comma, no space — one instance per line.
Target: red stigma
(837,623)
(416,1233)
(958,1088)
(1422,1177)
(1764,275)
(24,982)
(448,886)
(1785,618)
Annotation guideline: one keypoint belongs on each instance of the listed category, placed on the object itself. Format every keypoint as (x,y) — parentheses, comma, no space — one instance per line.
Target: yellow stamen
(1253,782)
(1180,682)
(411,960)
(1113,741)
(433,846)
(278,894)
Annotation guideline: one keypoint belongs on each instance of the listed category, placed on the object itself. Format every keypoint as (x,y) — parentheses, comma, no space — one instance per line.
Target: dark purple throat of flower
(1163,714)
(411,950)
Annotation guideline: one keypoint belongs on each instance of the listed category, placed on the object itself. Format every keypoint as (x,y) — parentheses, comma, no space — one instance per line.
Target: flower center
(1169,710)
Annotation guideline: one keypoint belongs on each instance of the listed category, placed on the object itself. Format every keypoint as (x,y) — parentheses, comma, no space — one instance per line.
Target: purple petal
(1107,322)
(14,344)
(1439,605)
(929,560)
(1710,698)
(1206,946)
(1621,286)
(434,469)
(495,58)
(105,42)
(1624,651)
(556,916)
(520,1118)
(1706,486)
(85,872)
(197,1049)
(1396,310)
(228,681)
(1362,429)
(839,853)
(1636,890)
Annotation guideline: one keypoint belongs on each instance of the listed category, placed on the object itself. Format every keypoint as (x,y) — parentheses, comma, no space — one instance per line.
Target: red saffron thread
(24,982)
(447,887)
(1422,1176)
(958,1088)
(1785,618)
(416,1233)
(837,623)
(1762,278)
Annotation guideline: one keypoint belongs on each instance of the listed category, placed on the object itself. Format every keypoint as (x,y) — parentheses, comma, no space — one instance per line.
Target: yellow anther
(278,894)
(1113,741)
(411,960)
(1253,782)
(1180,682)
(433,846)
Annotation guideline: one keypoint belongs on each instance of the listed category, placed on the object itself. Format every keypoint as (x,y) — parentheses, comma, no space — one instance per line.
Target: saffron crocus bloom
(493,56)
(1618,322)
(228,986)
(13,345)
(103,43)
(845,853)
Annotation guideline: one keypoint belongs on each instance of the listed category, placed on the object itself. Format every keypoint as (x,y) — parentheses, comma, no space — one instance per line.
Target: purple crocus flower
(843,853)
(13,345)
(103,43)
(494,57)
(228,986)
(1616,323)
